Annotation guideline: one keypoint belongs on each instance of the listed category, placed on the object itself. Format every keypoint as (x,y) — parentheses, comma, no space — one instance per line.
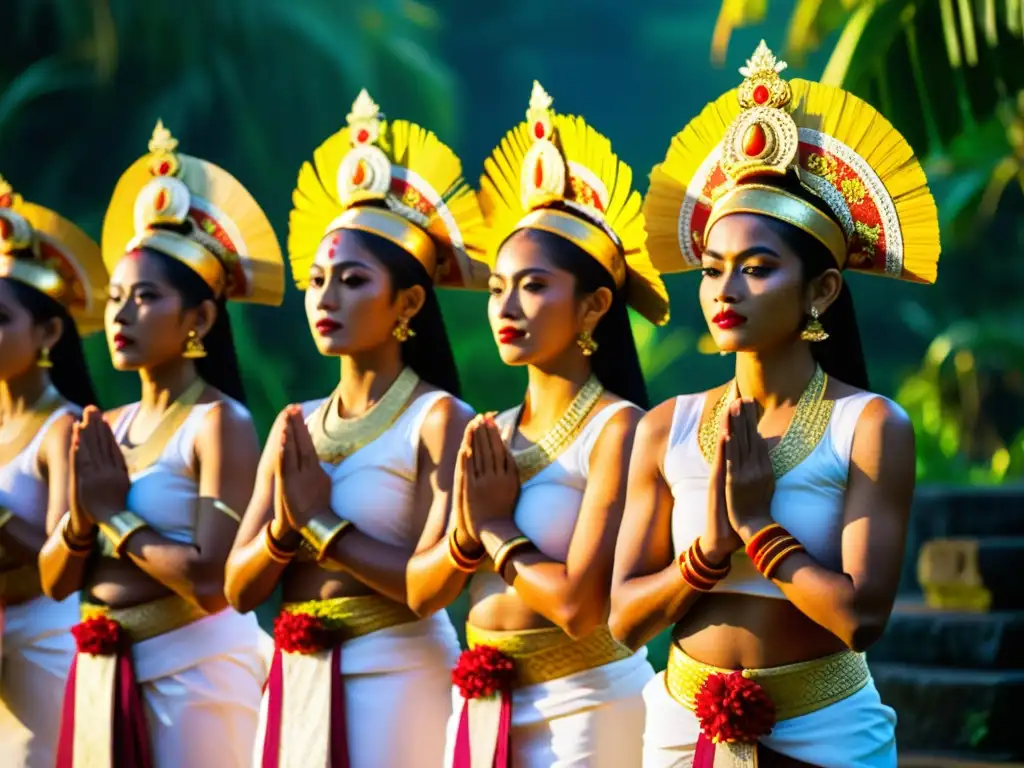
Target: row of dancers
(762,521)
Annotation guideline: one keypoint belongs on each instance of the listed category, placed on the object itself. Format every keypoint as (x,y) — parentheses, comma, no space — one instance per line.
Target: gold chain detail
(810,421)
(532,460)
(335,437)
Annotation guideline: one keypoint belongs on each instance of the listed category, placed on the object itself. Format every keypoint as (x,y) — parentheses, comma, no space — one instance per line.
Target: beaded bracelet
(697,572)
(458,557)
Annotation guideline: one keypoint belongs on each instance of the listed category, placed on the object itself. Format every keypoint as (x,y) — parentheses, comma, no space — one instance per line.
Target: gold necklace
(139,457)
(808,426)
(37,414)
(336,438)
(532,460)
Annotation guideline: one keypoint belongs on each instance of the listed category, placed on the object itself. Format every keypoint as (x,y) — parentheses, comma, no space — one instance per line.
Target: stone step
(943,512)
(979,572)
(927,636)
(954,710)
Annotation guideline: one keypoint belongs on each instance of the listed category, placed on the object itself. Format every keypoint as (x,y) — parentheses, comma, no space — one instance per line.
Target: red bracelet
(698,574)
(772,548)
(768,571)
(460,559)
(701,564)
(763,537)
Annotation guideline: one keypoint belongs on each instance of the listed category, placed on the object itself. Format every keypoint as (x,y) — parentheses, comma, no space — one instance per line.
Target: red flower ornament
(99,636)
(299,633)
(483,672)
(733,709)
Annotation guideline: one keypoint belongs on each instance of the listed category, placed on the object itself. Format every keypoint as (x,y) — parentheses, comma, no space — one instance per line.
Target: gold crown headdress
(52,255)
(393,179)
(230,242)
(837,145)
(557,174)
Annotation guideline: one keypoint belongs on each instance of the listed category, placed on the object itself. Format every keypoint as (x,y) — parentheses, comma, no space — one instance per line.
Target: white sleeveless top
(808,499)
(549,502)
(375,487)
(166,493)
(23,489)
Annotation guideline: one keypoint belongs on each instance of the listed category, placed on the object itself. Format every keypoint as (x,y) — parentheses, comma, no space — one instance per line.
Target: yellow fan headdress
(393,179)
(52,255)
(557,174)
(229,241)
(839,147)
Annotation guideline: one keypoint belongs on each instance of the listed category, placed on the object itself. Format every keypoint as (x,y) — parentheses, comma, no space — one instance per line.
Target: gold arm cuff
(393,227)
(142,622)
(35,275)
(75,547)
(577,230)
(121,526)
(795,689)
(196,257)
(506,550)
(778,204)
(322,530)
(220,506)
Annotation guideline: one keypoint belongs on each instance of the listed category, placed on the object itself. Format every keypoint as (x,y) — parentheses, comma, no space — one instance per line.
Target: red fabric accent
(503,754)
(66,737)
(462,756)
(272,732)
(704,754)
(734,708)
(300,633)
(483,671)
(339,727)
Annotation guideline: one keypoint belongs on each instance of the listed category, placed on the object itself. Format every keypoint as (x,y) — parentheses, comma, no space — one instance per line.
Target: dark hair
(70,374)
(841,355)
(220,366)
(429,352)
(616,363)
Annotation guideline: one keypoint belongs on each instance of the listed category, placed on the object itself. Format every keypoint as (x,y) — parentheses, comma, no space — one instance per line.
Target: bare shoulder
(885,425)
(657,422)
(446,419)
(57,439)
(227,423)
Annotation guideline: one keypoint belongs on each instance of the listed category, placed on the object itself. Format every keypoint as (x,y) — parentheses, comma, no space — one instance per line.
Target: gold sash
(795,689)
(352,617)
(543,655)
(148,620)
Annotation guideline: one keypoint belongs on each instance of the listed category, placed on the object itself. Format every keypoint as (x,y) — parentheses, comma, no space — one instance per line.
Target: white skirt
(593,718)
(397,699)
(37,653)
(857,732)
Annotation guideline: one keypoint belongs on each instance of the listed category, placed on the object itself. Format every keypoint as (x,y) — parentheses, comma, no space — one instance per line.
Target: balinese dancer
(166,674)
(51,294)
(765,519)
(543,485)
(351,485)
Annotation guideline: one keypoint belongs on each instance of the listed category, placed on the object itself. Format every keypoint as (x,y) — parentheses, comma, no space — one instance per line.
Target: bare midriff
(747,632)
(121,584)
(304,581)
(497,606)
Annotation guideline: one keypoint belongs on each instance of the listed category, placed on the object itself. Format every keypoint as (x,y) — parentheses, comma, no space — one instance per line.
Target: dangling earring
(44,360)
(586,343)
(402,331)
(194,348)
(814,331)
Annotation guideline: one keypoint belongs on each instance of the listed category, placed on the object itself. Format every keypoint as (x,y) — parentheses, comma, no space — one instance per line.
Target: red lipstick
(728,318)
(326,326)
(508,334)
(121,341)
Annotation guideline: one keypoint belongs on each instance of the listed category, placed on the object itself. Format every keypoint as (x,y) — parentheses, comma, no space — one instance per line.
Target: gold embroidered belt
(795,689)
(19,585)
(543,655)
(352,617)
(148,620)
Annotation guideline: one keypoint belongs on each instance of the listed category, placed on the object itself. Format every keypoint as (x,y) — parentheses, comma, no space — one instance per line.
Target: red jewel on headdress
(359,174)
(538,129)
(761,94)
(362,136)
(164,168)
(5,230)
(5,201)
(161,200)
(754,140)
(538,174)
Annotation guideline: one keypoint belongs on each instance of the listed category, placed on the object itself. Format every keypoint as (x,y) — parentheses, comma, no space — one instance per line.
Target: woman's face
(145,323)
(350,302)
(534,311)
(21,339)
(752,293)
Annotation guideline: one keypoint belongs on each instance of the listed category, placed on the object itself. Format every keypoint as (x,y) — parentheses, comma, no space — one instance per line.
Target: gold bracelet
(220,506)
(121,526)
(460,559)
(75,547)
(322,530)
(275,551)
(505,551)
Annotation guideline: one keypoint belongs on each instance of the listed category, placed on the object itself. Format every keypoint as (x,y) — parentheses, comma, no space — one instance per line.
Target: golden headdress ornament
(838,146)
(393,179)
(195,212)
(557,174)
(52,255)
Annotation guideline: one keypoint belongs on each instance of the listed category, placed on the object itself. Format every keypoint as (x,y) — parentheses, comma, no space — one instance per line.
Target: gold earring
(814,331)
(402,331)
(586,343)
(44,360)
(194,348)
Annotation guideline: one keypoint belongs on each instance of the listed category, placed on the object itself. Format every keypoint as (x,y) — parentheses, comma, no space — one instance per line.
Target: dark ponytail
(219,368)
(70,374)
(616,363)
(841,355)
(429,352)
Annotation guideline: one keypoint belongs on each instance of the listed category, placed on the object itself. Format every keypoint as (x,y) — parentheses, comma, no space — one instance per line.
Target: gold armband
(120,527)
(220,506)
(76,547)
(322,530)
(506,550)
